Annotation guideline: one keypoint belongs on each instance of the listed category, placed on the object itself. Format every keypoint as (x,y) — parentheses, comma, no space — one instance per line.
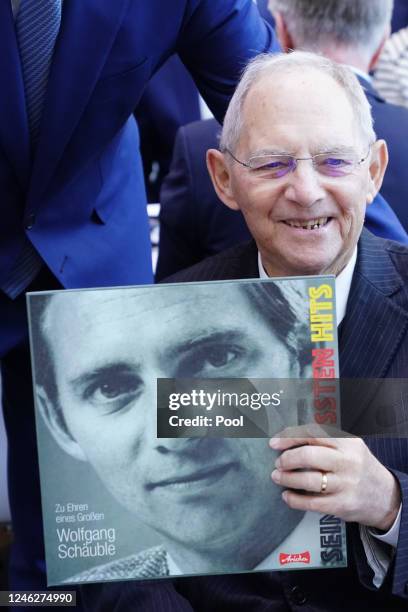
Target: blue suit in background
(80,199)
(194,223)
(169,101)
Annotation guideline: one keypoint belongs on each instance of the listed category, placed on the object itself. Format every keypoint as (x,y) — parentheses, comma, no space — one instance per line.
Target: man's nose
(304,184)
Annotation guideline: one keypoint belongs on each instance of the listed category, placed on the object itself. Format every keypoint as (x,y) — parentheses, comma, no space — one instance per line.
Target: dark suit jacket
(373,343)
(195,224)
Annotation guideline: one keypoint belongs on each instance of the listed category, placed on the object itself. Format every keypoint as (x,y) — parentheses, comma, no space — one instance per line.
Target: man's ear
(284,36)
(220,174)
(56,426)
(378,165)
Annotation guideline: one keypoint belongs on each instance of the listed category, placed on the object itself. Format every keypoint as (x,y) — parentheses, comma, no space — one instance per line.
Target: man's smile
(308,224)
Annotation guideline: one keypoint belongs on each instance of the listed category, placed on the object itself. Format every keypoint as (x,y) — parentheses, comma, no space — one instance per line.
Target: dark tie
(37,25)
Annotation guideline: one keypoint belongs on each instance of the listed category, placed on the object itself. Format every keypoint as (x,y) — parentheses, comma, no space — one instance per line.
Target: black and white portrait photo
(170,506)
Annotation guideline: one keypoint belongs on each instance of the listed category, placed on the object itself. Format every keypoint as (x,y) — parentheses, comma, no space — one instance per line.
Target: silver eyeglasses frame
(294,160)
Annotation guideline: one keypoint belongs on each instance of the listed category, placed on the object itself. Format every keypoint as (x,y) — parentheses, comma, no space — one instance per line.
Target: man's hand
(359,487)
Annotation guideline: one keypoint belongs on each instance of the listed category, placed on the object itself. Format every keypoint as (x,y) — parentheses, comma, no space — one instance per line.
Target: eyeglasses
(327,164)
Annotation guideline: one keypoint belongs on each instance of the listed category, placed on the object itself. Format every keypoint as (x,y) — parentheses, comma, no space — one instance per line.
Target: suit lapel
(246,265)
(86,35)
(369,89)
(14,135)
(374,325)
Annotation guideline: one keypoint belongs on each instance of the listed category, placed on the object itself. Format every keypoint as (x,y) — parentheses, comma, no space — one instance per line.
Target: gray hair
(272,64)
(314,23)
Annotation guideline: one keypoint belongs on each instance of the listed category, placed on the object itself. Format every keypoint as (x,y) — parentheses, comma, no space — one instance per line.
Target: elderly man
(194,226)
(300,159)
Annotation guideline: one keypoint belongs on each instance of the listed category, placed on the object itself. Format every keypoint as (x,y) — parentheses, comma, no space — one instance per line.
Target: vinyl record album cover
(154,406)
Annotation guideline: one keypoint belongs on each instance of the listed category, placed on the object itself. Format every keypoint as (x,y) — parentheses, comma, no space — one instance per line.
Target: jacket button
(298,595)
(29,221)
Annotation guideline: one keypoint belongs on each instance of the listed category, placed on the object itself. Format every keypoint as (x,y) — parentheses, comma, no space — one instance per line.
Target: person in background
(391,74)
(390,77)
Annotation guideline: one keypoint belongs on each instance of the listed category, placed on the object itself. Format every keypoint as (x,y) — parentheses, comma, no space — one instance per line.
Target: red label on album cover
(303,557)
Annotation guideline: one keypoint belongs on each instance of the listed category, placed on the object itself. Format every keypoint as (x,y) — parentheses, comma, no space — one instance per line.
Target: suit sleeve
(399,569)
(393,453)
(216,42)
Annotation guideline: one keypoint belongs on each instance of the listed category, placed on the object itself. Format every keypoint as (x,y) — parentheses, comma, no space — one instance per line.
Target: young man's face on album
(108,349)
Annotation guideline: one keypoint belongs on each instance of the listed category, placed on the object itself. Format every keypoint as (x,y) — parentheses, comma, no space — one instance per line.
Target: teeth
(312,224)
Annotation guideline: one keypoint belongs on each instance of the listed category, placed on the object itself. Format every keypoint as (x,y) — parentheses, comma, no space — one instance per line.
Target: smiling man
(299,158)
(304,167)
(96,371)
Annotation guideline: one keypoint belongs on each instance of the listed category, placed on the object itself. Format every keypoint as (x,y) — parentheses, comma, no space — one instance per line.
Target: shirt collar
(174,569)
(343,284)
(360,73)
